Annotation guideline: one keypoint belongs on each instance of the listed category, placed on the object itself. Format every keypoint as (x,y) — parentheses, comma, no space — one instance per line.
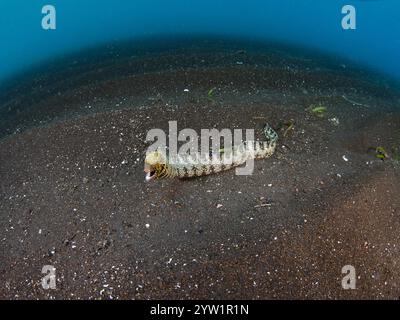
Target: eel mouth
(150,175)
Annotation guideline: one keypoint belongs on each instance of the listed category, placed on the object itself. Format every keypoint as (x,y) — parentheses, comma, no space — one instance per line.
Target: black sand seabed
(73,194)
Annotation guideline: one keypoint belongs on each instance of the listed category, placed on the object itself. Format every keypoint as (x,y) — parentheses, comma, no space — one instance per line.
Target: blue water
(312,23)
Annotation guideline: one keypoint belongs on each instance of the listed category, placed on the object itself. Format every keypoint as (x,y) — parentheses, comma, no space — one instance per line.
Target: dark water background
(66,86)
(92,23)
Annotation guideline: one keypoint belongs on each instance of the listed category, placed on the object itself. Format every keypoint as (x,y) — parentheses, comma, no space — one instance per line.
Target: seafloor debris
(335,121)
(263,202)
(355,103)
(318,110)
(381,153)
(289,127)
(210,94)
(284,126)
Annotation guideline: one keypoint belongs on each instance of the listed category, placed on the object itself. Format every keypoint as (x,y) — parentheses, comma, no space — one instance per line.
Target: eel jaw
(150,175)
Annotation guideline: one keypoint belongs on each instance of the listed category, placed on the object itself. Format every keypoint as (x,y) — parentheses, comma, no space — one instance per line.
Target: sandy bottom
(73,195)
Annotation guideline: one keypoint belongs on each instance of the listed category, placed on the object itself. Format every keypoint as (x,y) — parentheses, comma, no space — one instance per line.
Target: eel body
(186,166)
